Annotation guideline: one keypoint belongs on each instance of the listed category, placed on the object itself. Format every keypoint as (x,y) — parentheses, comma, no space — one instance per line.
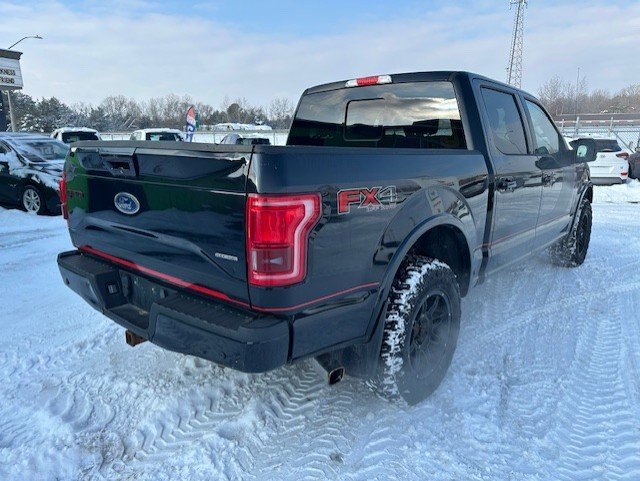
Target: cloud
(91,51)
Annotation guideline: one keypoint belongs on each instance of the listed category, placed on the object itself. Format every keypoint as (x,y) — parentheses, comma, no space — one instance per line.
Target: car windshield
(68,137)
(606,145)
(255,141)
(41,150)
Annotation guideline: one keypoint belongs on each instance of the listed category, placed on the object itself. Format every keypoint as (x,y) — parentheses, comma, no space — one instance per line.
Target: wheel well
(29,183)
(447,244)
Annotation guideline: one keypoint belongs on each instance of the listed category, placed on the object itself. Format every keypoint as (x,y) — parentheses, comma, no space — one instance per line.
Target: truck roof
(75,129)
(159,130)
(440,75)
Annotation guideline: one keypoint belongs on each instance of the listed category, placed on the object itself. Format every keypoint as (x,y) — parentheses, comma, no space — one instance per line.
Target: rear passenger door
(517,179)
(559,175)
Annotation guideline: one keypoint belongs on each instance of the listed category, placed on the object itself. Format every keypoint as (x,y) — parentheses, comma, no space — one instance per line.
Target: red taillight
(278,229)
(623,155)
(365,81)
(63,196)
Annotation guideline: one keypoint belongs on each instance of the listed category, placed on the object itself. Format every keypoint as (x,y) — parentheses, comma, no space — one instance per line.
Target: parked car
(158,134)
(634,165)
(30,171)
(75,134)
(237,139)
(611,165)
(353,244)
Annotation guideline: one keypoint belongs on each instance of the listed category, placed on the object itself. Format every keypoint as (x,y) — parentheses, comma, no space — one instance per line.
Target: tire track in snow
(595,431)
(531,388)
(519,321)
(221,424)
(337,439)
(290,417)
(18,365)
(12,240)
(528,378)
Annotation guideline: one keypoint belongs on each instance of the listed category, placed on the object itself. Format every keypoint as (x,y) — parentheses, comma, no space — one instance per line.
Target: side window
(505,122)
(546,136)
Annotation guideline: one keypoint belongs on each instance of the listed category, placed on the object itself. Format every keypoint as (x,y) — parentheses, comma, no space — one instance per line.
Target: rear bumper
(178,321)
(609,173)
(608,180)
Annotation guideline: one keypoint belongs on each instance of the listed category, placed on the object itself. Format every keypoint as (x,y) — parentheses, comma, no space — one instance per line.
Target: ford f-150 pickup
(353,244)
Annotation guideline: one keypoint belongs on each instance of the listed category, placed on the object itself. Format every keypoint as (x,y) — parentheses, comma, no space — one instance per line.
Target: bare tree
(552,94)
(280,112)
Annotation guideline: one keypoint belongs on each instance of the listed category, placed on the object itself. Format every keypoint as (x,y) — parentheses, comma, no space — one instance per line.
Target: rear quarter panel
(350,253)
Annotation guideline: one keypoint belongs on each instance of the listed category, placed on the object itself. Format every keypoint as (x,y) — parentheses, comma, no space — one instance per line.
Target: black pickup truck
(352,244)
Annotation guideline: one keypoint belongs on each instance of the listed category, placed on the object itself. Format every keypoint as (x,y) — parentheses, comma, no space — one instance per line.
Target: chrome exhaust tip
(336,375)
(133,339)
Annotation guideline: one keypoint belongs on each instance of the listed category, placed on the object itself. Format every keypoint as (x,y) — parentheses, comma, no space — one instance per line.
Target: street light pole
(11,114)
(24,38)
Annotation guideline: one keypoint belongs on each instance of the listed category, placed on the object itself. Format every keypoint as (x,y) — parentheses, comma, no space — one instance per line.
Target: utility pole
(514,68)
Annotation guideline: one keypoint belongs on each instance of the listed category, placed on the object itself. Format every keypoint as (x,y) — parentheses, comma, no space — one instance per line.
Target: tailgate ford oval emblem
(126,203)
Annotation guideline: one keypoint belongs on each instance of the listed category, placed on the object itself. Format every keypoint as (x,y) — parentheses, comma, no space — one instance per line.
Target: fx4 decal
(374,198)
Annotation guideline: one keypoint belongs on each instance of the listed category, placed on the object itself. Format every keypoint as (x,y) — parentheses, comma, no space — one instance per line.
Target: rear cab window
(423,115)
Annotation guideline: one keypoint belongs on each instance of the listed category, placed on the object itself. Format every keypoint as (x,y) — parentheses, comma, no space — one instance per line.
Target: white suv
(611,165)
(75,134)
(157,134)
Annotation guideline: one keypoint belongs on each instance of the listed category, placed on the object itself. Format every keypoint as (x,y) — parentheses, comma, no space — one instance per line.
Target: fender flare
(403,249)
(588,186)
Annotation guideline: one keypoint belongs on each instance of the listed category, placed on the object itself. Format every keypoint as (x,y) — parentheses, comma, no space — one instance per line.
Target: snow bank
(621,193)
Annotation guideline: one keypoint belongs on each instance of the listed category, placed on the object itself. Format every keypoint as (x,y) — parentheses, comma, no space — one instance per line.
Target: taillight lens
(278,229)
(623,155)
(63,196)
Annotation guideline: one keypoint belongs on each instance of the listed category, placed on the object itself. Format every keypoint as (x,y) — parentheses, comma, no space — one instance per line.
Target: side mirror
(585,150)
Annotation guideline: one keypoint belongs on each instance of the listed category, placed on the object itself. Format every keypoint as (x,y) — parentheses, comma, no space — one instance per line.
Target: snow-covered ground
(545,384)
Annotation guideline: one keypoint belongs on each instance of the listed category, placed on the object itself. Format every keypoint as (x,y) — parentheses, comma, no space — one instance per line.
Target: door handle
(507,184)
(548,180)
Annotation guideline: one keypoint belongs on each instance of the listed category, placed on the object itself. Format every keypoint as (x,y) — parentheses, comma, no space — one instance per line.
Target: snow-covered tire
(421,329)
(572,249)
(32,200)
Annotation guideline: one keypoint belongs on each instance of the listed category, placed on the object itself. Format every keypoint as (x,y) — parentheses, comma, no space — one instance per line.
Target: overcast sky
(261,50)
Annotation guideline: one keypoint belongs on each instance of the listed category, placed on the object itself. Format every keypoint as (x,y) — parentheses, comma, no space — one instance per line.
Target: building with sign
(10,79)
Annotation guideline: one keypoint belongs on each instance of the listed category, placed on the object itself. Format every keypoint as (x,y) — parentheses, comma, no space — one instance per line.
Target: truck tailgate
(169,208)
